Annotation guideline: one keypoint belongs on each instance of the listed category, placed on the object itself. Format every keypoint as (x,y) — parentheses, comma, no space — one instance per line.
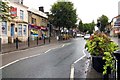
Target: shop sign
(13,12)
(34,31)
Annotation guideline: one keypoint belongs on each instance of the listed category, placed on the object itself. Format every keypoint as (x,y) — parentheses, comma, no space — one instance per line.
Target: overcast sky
(87,10)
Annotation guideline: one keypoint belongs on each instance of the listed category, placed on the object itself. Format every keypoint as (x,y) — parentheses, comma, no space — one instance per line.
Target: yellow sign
(34,31)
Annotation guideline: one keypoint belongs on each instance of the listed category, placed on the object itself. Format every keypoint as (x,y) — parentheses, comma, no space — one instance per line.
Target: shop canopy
(31,26)
(117,24)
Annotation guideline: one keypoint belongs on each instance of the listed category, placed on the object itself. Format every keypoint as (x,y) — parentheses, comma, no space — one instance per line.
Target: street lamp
(49,30)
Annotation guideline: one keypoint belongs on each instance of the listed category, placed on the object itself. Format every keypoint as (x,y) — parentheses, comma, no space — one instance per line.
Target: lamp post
(49,30)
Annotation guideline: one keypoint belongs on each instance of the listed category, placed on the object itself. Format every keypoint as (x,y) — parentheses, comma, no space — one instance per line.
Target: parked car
(81,35)
(78,35)
(87,36)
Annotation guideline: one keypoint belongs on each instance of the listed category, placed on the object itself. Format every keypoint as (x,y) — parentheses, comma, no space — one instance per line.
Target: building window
(25,30)
(20,30)
(33,21)
(4,28)
(21,14)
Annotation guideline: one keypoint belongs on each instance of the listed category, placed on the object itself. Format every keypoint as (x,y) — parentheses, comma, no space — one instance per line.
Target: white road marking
(63,45)
(23,59)
(47,50)
(72,66)
(9,64)
(66,44)
(72,72)
(80,57)
(27,57)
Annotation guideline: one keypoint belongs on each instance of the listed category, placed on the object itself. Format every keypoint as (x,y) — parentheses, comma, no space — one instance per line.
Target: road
(55,63)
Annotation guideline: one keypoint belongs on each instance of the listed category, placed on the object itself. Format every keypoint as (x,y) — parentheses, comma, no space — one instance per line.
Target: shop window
(25,30)
(21,14)
(20,30)
(4,28)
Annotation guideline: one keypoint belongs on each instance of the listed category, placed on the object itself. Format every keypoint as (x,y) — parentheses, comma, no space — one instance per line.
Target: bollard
(16,43)
(37,40)
(49,39)
(0,45)
(44,40)
(28,41)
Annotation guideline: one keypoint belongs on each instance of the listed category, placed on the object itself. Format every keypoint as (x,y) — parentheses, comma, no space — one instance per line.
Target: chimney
(41,8)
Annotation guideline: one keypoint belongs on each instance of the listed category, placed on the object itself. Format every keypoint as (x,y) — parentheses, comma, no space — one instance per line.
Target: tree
(5,11)
(80,26)
(86,27)
(103,22)
(63,15)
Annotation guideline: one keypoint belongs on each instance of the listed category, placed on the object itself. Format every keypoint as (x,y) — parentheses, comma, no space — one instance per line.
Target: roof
(14,3)
(40,13)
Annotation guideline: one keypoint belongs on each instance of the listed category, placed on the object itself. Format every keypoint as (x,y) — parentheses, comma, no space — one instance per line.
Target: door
(12,29)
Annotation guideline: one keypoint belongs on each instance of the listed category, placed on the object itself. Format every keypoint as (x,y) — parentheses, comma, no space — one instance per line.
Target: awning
(44,28)
(31,26)
(117,23)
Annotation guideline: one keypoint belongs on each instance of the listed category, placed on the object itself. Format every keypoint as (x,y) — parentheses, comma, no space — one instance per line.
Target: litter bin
(117,56)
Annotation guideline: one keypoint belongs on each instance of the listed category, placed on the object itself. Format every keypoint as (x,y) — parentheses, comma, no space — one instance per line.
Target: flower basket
(100,45)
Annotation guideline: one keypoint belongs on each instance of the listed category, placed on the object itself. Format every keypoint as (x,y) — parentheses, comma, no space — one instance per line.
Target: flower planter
(101,47)
(97,64)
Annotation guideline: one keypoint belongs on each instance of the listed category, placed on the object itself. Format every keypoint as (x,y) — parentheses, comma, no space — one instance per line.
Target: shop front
(37,31)
(117,27)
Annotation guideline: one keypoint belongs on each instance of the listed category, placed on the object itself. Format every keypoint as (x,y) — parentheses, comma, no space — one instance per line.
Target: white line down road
(72,66)
(23,59)
(29,57)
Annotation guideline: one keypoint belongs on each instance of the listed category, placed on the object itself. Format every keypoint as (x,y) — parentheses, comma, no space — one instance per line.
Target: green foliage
(86,27)
(63,14)
(80,27)
(4,11)
(109,62)
(101,45)
(103,21)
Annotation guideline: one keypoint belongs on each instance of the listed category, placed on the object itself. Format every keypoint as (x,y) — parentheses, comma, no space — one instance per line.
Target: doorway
(12,29)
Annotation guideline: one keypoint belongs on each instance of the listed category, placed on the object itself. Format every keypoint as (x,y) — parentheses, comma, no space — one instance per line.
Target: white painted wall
(20,7)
